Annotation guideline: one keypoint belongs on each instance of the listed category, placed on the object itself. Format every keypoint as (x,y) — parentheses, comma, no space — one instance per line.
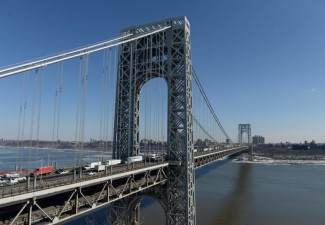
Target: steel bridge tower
(246,128)
(166,54)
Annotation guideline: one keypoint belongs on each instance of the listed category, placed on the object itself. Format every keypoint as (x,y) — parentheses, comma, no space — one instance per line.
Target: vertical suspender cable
(39,104)
(20,115)
(102,96)
(102,85)
(57,105)
(78,103)
(33,106)
(150,104)
(20,111)
(145,61)
(60,90)
(84,96)
(78,96)
(55,110)
(113,88)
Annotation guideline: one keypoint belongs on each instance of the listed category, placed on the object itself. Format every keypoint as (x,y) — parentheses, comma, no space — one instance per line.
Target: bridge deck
(52,201)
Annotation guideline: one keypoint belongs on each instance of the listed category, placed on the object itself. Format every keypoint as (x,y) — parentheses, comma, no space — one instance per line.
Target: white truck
(12,175)
(112,162)
(133,159)
(94,164)
(100,168)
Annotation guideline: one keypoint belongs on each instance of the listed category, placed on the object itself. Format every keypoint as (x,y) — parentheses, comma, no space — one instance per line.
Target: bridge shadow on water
(234,202)
(231,207)
(200,172)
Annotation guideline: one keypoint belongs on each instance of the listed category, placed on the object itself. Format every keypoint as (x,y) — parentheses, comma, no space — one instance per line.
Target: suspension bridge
(94,100)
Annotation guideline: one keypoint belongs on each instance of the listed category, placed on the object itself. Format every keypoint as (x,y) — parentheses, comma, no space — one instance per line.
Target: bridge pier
(251,152)
(30,212)
(123,212)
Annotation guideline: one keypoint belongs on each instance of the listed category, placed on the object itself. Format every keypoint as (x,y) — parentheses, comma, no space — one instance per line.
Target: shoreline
(269,161)
(58,149)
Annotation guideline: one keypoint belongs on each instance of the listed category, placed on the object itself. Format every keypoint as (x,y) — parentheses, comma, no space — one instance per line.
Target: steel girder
(165,54)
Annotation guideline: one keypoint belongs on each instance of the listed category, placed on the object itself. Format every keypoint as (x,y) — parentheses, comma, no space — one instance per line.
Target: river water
(231,193)
(31,158)
(255,194)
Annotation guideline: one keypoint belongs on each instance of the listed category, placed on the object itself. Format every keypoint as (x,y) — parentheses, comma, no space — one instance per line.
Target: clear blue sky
(261,61)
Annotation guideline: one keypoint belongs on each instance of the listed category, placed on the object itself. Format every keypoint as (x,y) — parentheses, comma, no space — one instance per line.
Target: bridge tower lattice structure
(245,128)
(166,54)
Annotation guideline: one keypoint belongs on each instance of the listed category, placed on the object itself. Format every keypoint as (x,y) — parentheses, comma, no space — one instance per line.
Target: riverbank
(284,156)
(265,160)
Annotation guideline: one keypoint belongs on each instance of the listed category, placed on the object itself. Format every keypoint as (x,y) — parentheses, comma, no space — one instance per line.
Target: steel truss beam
(205,159)
(66,205)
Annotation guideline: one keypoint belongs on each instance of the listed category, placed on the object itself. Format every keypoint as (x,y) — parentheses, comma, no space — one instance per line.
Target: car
(21,179)
(13,181)
(91,173)
(87,167)
(62,171)
(3,181)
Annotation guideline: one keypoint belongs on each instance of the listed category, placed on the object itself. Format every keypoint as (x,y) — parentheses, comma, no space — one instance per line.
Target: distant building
(258,140)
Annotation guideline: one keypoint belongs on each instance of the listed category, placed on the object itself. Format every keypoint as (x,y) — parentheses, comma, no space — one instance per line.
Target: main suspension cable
(215,117)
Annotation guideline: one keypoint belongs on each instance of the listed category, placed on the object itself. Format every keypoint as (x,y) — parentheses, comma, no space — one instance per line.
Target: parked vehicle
(133,159)
(91,173)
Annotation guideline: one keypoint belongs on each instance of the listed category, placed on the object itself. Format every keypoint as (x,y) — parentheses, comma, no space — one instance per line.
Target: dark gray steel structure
(246,128)
(166,54)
